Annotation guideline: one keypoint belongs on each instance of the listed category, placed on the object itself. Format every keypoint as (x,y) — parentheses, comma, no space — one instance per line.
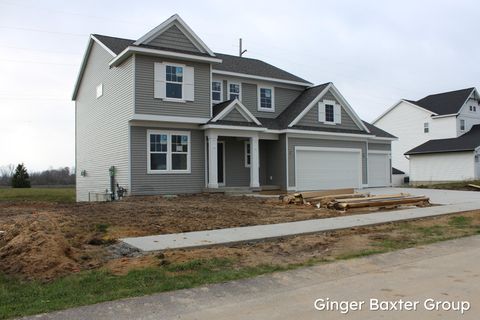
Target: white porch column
(212,160)
(254,163)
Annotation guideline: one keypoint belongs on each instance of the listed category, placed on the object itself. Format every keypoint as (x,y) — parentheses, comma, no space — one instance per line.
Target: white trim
(151,117)
(245,154)
(99,90)
(259,105)
(103,45)
(327,149)
(246,113)
(379,151)
(309,106)
(286,162)
(155,52)
(219,126)
(433,114)
(169,153)
(167,24)
(309,133)
(250,76)
(445,115)
(239,90)
(222,184)
(323,104)
(179,65)
(211,90)
(464,125)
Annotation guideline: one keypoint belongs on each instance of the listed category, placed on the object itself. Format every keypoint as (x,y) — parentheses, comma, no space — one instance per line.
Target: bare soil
(45,240)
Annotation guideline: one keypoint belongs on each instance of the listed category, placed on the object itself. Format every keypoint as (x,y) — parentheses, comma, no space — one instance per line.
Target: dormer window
(174,80)
(266,99)
(329,114)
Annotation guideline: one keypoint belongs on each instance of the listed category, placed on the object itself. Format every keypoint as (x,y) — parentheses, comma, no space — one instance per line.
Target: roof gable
(153,36)
(309,99)
(229,111)
(173,38)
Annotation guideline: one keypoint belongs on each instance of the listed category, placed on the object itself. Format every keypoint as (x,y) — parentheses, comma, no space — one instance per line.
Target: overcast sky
(375,52)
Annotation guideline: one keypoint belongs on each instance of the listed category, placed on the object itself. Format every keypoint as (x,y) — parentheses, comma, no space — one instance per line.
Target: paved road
(453,201)
(446,271)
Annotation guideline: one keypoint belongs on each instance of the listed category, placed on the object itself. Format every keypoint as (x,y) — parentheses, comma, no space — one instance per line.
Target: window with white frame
(234,91)
(473,108)
(99,90)
(266,99)
(329,113)
(216,91)
(462,125)
(248,154)
(426,127)
(174,81)
(168,151)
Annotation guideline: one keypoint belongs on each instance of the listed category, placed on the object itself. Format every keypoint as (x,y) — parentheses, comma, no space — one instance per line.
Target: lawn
(165,271)
(62,194)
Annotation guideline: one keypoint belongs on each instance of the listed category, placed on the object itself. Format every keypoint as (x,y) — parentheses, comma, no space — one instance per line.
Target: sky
(375,52)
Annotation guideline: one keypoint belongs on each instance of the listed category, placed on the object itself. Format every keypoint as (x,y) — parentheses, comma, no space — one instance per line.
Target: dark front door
(221,162)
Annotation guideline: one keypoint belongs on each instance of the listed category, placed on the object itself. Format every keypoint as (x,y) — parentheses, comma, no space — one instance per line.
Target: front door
(221,163)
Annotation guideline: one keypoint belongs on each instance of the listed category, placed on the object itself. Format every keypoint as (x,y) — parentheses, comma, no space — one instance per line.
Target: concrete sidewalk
(243,234)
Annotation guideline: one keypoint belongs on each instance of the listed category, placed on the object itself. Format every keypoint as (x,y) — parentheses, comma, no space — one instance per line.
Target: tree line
(11,175)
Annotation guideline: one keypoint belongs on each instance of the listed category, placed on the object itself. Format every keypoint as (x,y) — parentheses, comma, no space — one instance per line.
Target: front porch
(238,161)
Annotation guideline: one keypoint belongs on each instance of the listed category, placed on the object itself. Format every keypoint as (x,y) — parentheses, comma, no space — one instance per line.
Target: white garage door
(378,169)
(327,168)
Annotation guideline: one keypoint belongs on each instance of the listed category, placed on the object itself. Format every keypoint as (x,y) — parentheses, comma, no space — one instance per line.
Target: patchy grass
(63,194)
(459,185)
(20,298)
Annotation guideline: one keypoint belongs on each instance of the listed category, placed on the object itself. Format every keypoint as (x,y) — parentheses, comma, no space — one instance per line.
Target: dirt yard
(43,240)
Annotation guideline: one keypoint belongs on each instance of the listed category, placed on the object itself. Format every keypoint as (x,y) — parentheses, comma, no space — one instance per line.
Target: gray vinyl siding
(380,146)
(306,142)
(236,174)
(311,118)
(145,103)
(173,38)
(235,115)
(144,183)
(102,131)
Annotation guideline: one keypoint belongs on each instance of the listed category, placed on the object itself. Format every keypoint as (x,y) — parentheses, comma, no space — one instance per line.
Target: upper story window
(473,108)
(168,152)
(99,90)
(234,91)
(329,112)
(426,127)
(462,125)
(266,99)
(216,91)
(174,81)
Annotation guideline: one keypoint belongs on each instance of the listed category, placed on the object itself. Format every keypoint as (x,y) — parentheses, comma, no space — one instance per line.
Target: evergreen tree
(21,178)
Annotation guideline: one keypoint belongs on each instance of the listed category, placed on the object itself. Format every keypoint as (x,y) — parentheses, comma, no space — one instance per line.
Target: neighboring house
(437,116)
(174,117)
(398,177)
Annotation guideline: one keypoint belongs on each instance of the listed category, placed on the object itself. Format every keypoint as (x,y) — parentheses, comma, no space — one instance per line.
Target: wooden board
(312,194)
(382,203)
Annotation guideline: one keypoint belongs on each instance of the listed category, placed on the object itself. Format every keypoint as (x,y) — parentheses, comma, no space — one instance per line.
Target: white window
(247,154)
(329,112)
(174,82)
(168,152)
(462,125)
(234,91)
(426,127)
(217,94)
(266,100)
(99,90)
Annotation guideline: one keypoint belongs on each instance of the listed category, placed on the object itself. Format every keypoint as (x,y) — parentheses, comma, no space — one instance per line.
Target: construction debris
(346,199)
(476,186)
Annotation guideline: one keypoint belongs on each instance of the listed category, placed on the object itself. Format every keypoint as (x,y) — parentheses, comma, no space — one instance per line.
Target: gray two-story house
(171,116)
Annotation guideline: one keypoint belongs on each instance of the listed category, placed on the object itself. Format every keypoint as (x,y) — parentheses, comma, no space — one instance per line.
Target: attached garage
(379,169)
(327,168)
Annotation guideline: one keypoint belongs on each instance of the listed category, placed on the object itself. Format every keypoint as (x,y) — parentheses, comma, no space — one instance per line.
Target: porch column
(254,163)
(212,160)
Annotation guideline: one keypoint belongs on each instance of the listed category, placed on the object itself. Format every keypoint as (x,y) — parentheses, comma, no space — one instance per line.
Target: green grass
(26,298)
(64,194)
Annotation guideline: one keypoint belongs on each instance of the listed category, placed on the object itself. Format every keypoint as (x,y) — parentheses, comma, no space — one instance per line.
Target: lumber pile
(347,199)
(476,186)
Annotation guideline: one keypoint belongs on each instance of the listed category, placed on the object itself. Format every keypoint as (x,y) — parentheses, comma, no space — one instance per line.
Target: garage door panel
(378,170)
(316,169)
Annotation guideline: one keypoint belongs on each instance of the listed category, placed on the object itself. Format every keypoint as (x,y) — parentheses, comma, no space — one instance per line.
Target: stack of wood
(347,199)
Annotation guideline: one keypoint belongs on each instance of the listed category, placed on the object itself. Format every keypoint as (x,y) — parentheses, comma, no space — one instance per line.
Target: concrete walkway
(445,271)
(260,232)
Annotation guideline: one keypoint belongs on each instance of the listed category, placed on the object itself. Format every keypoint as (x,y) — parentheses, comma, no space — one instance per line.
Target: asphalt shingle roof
(444,103)
(466,142)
